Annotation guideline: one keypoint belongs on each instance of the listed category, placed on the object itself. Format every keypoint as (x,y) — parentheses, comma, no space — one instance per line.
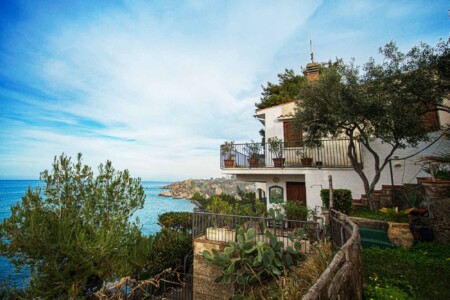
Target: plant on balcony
(305,159)
(252,150)
(227,152)
(276,148)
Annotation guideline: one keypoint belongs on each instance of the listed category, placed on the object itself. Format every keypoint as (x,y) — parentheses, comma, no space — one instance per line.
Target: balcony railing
(329,154)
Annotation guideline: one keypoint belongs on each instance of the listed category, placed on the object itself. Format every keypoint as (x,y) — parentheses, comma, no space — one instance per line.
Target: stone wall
(205,273)
(439,212)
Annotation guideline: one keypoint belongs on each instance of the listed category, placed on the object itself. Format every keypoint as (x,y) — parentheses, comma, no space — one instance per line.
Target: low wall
(205,273)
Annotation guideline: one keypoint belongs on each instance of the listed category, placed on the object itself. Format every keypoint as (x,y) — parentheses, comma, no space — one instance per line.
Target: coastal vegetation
(75,234)
(245,204)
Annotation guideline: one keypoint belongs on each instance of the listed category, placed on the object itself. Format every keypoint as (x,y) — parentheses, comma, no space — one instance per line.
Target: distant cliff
(206,187)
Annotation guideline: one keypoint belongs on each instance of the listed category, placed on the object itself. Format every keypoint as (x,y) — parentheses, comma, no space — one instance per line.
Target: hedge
(342,199)
(176,220)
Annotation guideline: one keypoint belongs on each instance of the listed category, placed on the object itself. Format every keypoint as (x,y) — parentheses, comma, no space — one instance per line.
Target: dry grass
(299,279)
(304,276)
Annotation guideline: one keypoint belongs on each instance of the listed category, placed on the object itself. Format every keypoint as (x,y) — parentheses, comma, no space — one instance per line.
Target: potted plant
(227,153)
(305,159)
(253,149)
(276,148)
(438,186)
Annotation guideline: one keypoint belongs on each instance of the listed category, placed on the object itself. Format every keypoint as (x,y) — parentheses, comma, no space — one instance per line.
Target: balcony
(329,154)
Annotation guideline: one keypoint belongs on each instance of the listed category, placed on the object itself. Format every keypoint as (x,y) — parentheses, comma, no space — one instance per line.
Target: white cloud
(176,82)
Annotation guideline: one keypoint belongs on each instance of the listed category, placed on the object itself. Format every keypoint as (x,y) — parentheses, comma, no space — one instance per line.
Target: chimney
(312,71)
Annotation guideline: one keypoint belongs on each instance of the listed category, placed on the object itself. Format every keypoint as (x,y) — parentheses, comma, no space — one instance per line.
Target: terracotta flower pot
(307,161)
(229,163)
(278,162)
(400,235)
(253,162)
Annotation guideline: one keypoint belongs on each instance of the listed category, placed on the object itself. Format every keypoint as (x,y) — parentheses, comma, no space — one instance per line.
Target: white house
(302,180)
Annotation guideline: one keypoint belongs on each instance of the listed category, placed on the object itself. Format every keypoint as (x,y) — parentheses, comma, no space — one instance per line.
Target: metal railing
(329,154)
(222,228)
(343,277)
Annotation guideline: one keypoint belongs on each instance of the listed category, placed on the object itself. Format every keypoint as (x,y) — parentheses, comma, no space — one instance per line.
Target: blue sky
(157,86)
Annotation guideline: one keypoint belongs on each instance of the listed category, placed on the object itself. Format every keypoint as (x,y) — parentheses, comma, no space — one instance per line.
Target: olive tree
(75,233)
(383,102)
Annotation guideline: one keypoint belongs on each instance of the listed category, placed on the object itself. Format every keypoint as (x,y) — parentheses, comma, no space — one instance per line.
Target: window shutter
(292,137)
(430,119)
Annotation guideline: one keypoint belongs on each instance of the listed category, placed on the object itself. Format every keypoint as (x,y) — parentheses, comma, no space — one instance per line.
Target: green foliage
(219,206)
(399,216)
(165,249)
(252,149)
(286,90)
(342,199)
(77,234)
(296,211)
(249,261)
(384,289)
(379,101)
(437,170)
(176,220)
(248,205)
(417,272)
(365,212)
(227,150)
(276,146)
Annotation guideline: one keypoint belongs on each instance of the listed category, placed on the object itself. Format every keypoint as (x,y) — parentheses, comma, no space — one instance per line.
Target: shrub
(165,249)
(296,211)
(76,233)
(176,220)
(219,206)
(342,199)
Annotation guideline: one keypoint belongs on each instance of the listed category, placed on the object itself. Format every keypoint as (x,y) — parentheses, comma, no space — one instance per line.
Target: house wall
(273,126)
(314,180)
(404,170)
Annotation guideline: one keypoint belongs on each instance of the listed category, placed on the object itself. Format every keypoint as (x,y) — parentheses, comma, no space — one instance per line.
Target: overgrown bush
(296,211)
(342,199)
(176,220)
(165,249)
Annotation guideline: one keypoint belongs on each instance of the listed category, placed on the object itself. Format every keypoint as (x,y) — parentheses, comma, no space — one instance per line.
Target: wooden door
(296,191)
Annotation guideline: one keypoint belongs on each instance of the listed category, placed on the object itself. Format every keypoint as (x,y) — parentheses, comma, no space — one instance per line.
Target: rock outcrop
(206,187)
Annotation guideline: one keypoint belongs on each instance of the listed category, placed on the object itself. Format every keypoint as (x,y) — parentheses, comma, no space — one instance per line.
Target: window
(292,137)
(276,194)
(430,119)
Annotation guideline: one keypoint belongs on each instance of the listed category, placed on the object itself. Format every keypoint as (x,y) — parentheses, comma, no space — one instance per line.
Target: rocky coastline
(206,187)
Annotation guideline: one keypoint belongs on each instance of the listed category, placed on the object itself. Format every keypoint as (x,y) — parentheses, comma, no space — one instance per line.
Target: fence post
(330,183)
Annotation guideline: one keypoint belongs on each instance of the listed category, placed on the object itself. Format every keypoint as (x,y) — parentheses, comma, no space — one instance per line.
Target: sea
(11,192)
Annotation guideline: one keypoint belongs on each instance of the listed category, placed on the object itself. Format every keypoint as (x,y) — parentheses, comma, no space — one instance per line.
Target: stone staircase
(383,197)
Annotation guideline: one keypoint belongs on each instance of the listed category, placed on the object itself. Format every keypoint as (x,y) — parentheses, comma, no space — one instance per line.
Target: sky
(157,86)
